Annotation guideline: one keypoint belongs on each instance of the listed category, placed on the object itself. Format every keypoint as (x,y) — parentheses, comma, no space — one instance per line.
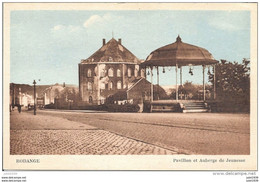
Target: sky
(49,45)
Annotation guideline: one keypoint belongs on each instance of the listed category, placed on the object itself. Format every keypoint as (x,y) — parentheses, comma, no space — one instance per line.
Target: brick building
(110,70)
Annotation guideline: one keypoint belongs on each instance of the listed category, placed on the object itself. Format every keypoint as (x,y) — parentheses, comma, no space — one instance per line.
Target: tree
(232,80)
(189,89)
(69,95)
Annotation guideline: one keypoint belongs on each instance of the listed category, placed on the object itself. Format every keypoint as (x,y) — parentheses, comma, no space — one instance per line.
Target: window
(110,72)
(90,100)
(118,73)
(142,73)
(103,73)
(90,86)
(136,70)
(102,86)
(110,85)
(136,73)
(119,85)
(129,72)
(89,73)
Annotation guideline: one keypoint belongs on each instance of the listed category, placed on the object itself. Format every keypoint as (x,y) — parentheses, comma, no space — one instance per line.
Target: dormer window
(89,73)
(110,59)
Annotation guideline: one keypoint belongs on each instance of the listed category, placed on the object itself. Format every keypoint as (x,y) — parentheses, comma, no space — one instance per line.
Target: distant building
(23,94)
(60,94)
(20,94)
(141,91)
(26,99)
(51,93)
(111,70)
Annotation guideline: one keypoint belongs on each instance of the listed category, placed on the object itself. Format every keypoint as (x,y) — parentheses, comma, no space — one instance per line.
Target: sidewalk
(50,135)
(75,111)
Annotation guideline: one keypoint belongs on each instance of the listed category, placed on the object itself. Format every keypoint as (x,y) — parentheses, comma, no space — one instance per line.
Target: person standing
(19,108)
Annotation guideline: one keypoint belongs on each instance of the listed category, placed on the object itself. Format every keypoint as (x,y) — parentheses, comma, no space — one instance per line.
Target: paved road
(194,133)
(45,134)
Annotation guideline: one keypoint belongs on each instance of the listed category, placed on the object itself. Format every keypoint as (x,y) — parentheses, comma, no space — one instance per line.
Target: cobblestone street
(193,133)
(72,132)
(50,135)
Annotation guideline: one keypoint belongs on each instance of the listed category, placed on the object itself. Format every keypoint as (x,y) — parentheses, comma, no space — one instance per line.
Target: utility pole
(34,109)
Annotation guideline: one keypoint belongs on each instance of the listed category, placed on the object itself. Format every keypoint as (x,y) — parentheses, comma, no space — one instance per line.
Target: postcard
(130,86)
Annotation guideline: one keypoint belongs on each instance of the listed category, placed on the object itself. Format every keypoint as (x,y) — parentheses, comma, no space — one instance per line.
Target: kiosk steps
(191,107)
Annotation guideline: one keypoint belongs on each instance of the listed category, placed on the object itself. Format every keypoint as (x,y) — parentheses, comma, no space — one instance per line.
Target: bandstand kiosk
(178,54)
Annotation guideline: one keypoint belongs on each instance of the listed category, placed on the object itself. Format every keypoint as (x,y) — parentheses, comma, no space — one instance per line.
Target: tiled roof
(112,51)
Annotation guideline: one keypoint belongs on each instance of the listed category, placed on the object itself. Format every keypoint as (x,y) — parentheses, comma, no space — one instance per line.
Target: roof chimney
(104,42)
(119,41)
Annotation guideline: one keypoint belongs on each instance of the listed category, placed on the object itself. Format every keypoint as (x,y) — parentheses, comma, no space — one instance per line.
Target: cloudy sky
(48,45)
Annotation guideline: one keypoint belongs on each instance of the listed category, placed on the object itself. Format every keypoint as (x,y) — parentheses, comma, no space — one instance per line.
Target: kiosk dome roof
(179,53)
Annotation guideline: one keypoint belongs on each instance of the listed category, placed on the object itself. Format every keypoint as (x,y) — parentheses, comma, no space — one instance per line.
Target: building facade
(52,92)
(111,69)
(60,96)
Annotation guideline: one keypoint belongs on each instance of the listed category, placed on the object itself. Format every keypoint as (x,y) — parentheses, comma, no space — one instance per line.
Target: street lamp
(34,89)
